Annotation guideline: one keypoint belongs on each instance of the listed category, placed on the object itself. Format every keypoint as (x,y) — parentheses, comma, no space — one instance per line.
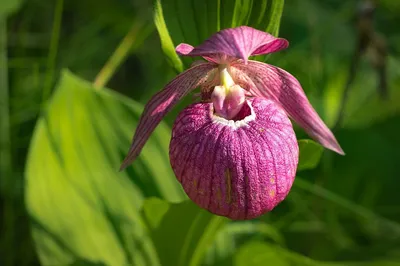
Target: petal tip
(184,49)
(285,43)
(124,164)
(340,151)
(332,144)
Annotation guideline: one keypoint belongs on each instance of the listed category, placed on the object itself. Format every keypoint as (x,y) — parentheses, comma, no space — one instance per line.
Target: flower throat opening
(243,113)
(228,98)
(242,117)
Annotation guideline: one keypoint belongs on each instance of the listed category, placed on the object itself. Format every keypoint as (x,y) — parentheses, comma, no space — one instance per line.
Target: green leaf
(230,238)
(259,253)
(81,207)
(193,21)
(275,15)
(184,233)
(154,210)
(310,154)
(166,41)
(7,7)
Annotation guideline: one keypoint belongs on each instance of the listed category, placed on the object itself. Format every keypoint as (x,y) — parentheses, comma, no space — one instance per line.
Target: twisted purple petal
(275,83)
(162,102)
(239,43)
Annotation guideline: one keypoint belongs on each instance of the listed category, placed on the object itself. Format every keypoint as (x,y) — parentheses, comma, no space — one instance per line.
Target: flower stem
(117,57)
(5,142)
(52,56)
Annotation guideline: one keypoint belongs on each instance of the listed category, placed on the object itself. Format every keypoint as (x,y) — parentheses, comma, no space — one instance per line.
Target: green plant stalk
(5,141)
(53,49)
(116,59)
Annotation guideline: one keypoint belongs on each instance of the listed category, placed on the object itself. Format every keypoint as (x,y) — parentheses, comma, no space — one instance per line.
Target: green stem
(53,49)
(117,57)
(5,142)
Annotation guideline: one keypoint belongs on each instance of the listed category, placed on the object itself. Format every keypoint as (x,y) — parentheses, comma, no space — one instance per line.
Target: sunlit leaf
(193,21)
(81,207)
(275,13)
(184,233)
(166,42)
(310,154)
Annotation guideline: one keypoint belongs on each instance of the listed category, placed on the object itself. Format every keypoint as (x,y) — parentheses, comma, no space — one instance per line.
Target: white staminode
(232,123)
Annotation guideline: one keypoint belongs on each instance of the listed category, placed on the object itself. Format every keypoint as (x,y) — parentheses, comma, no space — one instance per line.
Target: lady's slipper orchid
(235,152)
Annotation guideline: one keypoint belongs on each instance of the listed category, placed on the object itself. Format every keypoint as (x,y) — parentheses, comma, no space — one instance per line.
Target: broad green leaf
(184,233)
(232,235)
(193,21)
(7,7)
(310,154)
(81,207)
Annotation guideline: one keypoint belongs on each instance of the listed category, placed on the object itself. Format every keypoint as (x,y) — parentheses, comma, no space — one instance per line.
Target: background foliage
(63,135)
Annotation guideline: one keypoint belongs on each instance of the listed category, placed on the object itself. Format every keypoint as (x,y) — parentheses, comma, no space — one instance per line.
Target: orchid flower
(235,151)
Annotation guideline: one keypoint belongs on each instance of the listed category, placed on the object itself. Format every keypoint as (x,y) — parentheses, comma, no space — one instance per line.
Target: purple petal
(238,43)
(272,82)
(239,171)
(162,102)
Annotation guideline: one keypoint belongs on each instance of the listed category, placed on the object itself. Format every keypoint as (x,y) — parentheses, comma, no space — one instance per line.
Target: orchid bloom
(234,152)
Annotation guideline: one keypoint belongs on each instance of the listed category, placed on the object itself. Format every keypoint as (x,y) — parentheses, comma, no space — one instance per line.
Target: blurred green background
(63,135)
